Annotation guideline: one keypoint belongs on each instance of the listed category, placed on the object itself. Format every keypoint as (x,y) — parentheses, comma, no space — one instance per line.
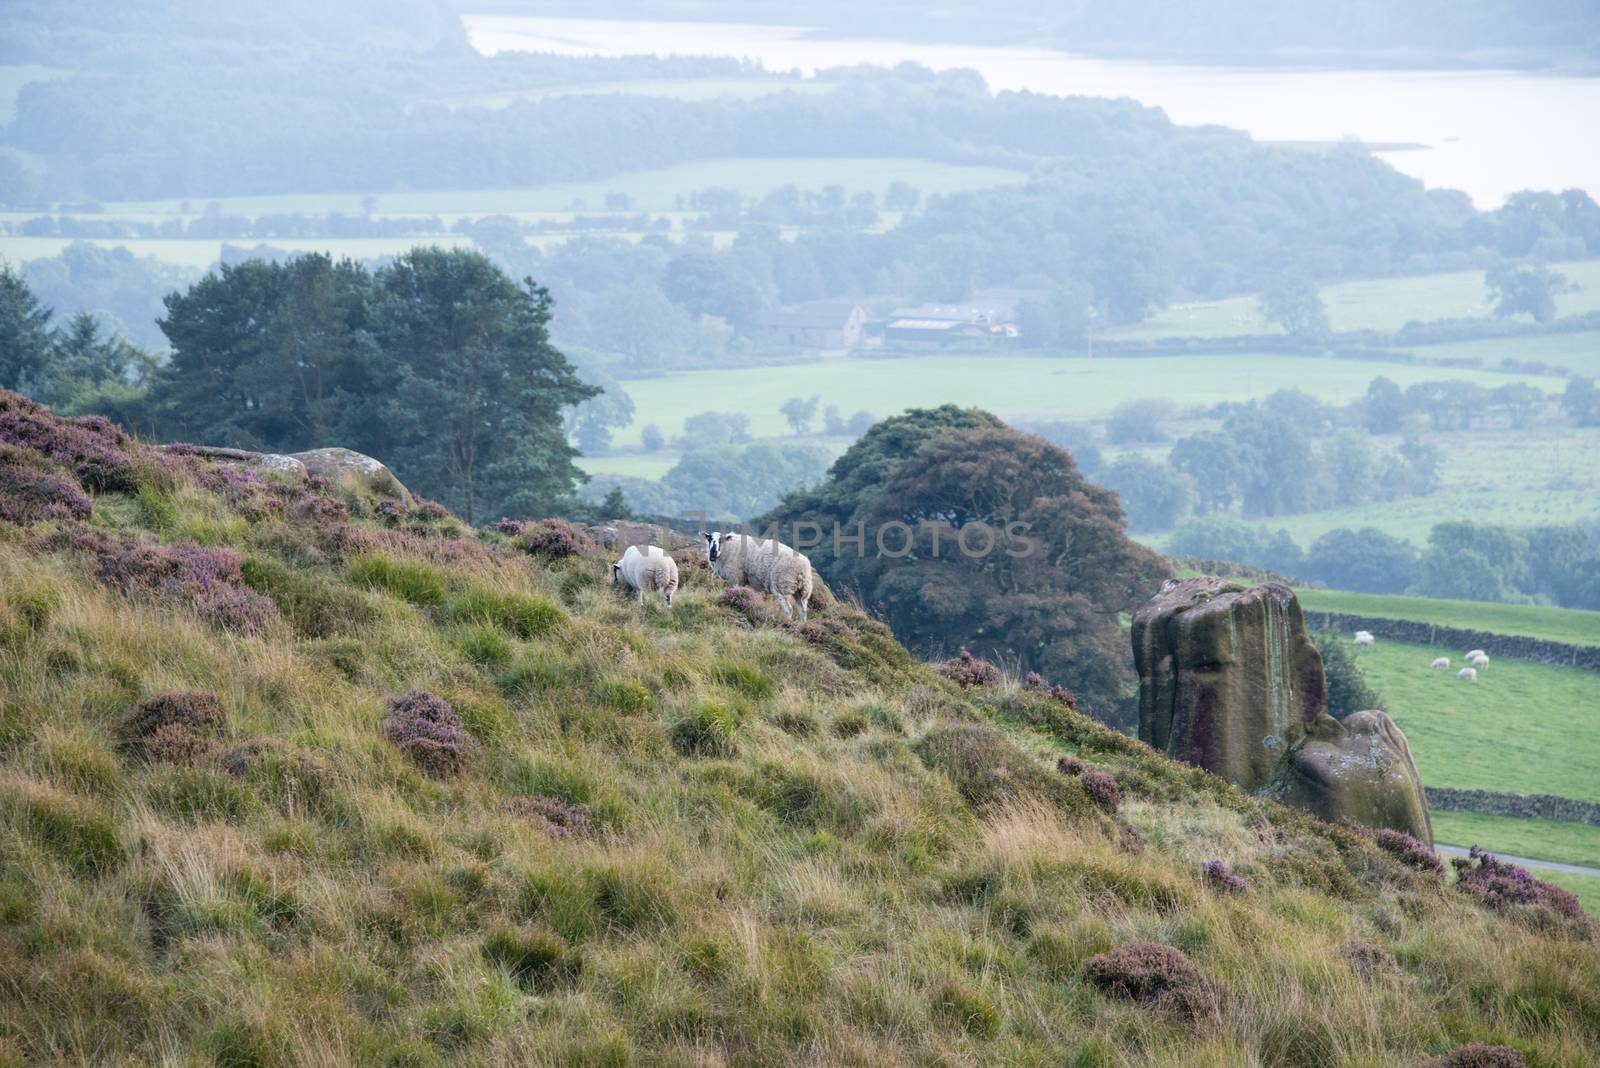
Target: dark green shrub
(743,677)
(966,1007)
(161,725)
(712,728)
(421,584)
(317,606)
(518,614)
(81,834)
(539,960)
(625,695)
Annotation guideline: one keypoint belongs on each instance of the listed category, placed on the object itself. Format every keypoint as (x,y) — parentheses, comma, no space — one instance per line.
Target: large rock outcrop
(1229,681)
(353,470)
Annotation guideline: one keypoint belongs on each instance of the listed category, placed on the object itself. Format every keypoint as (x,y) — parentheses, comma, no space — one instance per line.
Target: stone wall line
(1515,646)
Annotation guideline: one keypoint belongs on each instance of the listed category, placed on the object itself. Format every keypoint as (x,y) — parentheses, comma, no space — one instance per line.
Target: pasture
(1371,304)
(1533,621)
(1587,887)
(1520,728)
(1044,387)
(1562,841)
(1544,475)
(655,190)
(1577,351)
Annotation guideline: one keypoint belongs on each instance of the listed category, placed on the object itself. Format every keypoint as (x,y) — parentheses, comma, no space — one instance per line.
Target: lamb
(1364,637)
(649,570)
(1441,664)
(1470,674)
(771,566)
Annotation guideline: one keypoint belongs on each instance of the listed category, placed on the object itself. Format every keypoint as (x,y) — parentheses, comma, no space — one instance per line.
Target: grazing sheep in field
(1364,637)
(1475,653)
(1481,660)
(1441,664)
(1470,674)
(649,570)
(771,566)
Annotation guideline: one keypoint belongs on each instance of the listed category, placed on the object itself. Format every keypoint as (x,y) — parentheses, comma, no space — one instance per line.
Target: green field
(1062,387)
(1528,476)
(1559,840)
(636,465)
(1534,621)
(201,254)
(1578,351)
(1373,304)
(1587,887)
(652,190)
(1520,728)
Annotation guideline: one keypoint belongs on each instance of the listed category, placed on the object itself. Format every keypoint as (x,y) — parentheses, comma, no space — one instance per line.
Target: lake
(1488,133)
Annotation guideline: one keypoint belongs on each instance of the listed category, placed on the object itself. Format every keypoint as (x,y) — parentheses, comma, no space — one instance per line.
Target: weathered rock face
(265,461)
(1364,773)
(344,467)
(1229,681)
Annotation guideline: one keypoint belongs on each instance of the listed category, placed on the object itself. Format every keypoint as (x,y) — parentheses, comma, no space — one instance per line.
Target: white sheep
(649,570)
(1470,674)
(1475,653)
(769,566)
(1364,637)
(1441,664)
(1481,660)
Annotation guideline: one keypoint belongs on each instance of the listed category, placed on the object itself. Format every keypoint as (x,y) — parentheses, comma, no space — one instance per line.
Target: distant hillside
(1360,33)
(294,773)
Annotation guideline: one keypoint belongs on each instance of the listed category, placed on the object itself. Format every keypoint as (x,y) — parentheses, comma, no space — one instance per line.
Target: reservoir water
(1488,133)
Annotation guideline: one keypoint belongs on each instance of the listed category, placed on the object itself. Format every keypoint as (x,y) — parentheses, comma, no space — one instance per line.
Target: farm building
(817,324)
(990,313)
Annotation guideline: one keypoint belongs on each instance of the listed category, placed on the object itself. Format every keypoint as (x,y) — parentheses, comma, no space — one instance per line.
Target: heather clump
(31,491)
(1370,961)
(744,600)
(1101,786)
(1478,1055)
(553,538)
(94,449)
(1409,851)
(1216,875)
(427,729)
(555,817)
(968,670)
(208,580)
(1502,887)
(175,727)
(1033,682)
(509,527)
(826,628)
(1155,976)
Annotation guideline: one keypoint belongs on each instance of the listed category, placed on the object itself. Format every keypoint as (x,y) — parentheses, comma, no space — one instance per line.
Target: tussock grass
(680,839)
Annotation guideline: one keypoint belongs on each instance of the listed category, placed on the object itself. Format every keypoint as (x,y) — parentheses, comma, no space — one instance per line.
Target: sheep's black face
(713,542)
(616,571)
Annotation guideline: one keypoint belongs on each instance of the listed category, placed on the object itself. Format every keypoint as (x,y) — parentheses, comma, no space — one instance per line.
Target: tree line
(437,363)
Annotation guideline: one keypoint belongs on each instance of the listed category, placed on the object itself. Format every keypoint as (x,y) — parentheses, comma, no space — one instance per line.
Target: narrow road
(1526,862)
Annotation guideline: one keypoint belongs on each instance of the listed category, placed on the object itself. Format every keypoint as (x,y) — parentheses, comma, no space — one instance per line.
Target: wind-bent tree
(935,491)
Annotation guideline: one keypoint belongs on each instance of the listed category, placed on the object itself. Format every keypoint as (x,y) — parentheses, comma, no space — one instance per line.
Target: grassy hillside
(1574,626)
(691,838)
